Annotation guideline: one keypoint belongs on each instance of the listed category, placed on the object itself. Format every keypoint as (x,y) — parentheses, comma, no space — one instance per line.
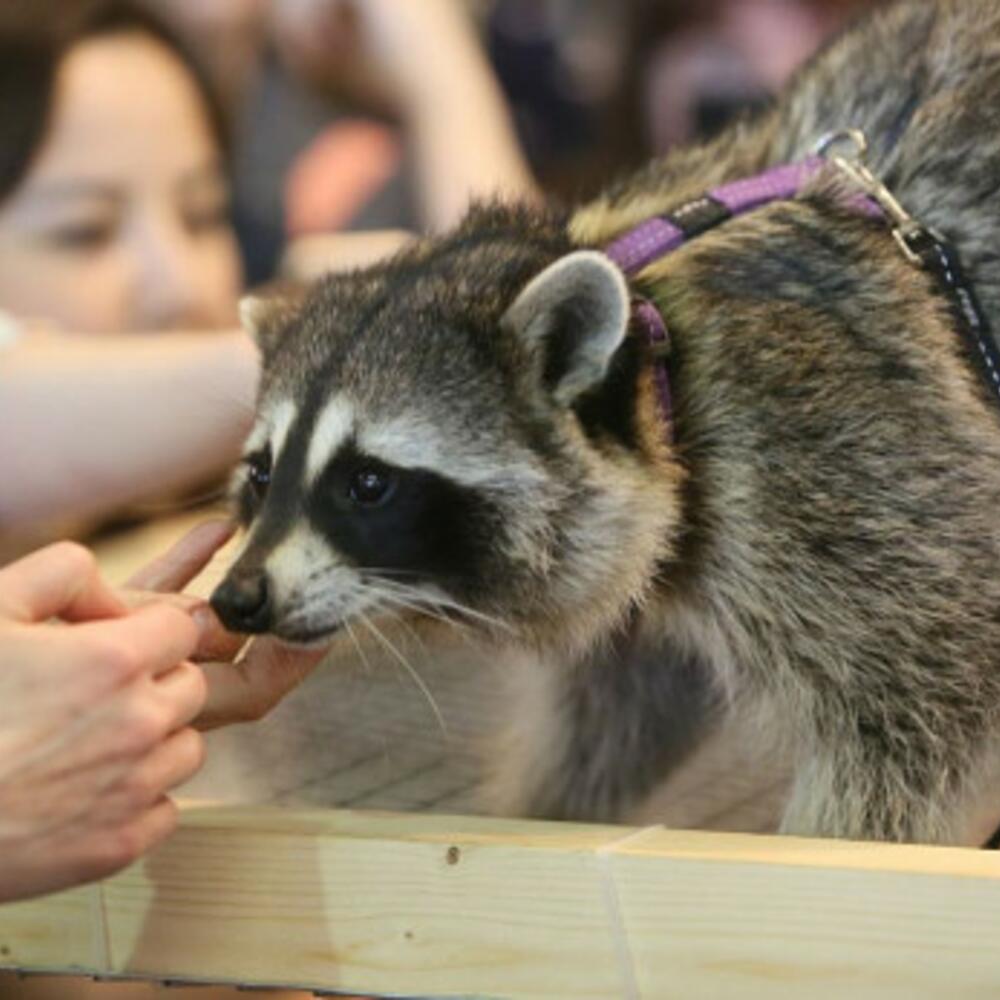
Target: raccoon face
(433,436)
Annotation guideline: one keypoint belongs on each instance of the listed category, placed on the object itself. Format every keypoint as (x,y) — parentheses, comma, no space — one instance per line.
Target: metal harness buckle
(905,229)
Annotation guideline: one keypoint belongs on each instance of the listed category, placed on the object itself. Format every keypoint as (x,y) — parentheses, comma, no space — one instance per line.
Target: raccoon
(476,427)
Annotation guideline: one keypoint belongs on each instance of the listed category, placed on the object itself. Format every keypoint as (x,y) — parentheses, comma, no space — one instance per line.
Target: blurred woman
(113,221)
(113,192)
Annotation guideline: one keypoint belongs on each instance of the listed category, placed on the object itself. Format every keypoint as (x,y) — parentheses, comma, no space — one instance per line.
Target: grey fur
(823,535)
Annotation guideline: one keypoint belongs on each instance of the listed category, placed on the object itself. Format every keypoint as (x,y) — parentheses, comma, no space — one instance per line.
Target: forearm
(460,129)
(422,58)
(89,425)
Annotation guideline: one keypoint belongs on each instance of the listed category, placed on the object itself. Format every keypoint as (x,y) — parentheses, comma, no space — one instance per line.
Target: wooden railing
(419,905)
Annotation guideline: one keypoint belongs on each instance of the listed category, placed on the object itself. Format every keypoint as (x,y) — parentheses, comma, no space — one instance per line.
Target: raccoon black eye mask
(394,522)
(479,427)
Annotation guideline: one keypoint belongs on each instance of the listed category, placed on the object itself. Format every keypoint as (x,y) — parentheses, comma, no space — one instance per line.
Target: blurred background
(594,87)
(335,116)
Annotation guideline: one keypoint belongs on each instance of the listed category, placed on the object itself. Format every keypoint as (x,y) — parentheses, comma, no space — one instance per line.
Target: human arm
(89,424)
(460,130)
(428,63)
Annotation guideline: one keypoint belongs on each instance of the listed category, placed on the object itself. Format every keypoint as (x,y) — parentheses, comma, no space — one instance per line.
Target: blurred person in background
(114,219)
(113,190)
(703,65)
(393,99)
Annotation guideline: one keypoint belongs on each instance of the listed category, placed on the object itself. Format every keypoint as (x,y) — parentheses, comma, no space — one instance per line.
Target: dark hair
(35,36)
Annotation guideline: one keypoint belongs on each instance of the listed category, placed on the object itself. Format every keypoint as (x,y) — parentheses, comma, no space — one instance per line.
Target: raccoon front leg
(588,740)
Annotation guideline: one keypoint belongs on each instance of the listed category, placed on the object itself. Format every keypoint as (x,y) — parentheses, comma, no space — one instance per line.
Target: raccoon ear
(577,310)
(266,316)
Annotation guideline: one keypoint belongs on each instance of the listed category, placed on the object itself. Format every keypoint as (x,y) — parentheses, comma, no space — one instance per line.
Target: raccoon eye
(370,486)
(259,472)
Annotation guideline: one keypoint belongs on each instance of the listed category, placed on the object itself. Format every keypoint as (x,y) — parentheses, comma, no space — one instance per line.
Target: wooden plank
(731,916)
(420,905)
(377,904)
(61,932)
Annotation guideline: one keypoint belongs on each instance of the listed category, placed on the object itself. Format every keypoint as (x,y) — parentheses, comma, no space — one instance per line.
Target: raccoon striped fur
(473,427)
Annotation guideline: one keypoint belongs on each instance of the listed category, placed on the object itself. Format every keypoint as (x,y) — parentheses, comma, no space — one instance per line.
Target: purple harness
(923,247)
(662,234)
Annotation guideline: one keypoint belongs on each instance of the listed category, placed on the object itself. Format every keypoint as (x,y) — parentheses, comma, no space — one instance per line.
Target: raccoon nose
(243,603)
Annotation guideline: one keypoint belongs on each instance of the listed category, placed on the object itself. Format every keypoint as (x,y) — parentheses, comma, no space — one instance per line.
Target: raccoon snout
(243,602)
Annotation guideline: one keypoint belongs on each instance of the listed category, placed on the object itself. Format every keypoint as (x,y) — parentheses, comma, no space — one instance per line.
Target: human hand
(95,713)
(245,680)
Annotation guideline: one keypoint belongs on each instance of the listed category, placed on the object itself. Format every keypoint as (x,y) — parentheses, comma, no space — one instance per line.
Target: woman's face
(121,222)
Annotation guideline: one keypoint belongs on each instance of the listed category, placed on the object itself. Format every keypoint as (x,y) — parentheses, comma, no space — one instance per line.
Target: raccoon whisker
(417,679)
(387,574)
(396,619)
(357,645)
(425,602)
(386,605)
(446,604)
(440,602)
(415,601)
(480,616)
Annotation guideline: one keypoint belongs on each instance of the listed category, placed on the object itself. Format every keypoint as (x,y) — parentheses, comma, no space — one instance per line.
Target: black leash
(931,251)
(924,248)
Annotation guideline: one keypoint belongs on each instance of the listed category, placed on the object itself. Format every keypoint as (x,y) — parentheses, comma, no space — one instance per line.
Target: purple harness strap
(647,317)
(658,236)
(662,234)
